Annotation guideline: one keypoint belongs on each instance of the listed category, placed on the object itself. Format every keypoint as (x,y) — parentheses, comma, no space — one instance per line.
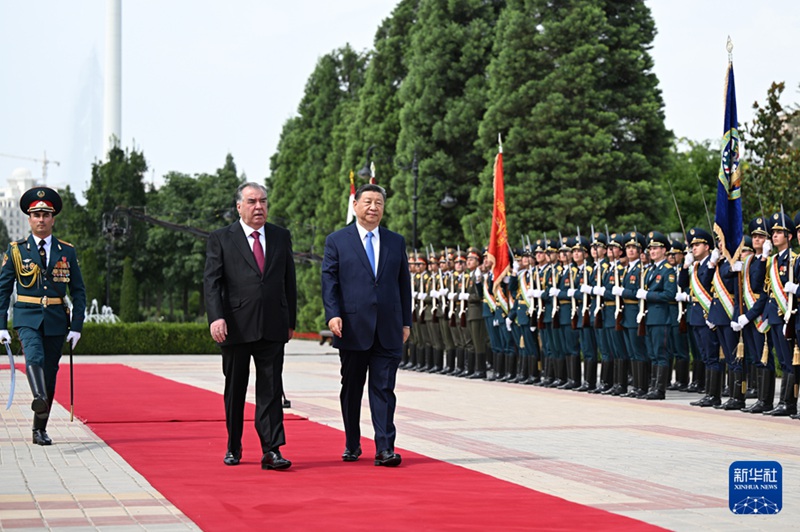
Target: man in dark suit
(366,291)
(251,301)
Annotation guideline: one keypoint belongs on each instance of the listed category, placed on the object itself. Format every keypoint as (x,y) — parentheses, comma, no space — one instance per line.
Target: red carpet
(128,408)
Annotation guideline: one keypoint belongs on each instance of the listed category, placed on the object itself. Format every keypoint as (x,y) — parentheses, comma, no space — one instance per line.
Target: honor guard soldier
(679,337)
(613,316)
(594,291)
(475,367)
(632,314)
(555,371)
(780,300)
(459,297)
(760,362)
(582,290)
(568,358)
(701,276)
(43,268)
(524,307)
(660,287)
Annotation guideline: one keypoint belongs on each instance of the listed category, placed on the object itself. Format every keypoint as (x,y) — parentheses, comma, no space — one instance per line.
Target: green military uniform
(43,269)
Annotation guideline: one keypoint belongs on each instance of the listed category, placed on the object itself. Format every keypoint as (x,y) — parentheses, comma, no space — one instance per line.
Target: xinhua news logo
(755,487)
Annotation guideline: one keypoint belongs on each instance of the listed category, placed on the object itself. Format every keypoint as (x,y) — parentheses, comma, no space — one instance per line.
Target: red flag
(498,241)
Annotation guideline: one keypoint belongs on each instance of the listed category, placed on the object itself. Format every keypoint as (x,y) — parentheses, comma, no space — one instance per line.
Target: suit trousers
(268,359)
(381,365)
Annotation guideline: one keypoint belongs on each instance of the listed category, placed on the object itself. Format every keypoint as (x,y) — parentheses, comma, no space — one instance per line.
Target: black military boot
(40,404)
(791,398)
(698,384)
(549,373)
(736,402)
(450,361)
(589,376)
(752,382)
(493,374)
(560,372)
(458,362)
(437,360)
(469,364)
(636,386)
(479,370)
(659,391)
(40,436)
(569,381)
(412,357)
(780,408)
(510,368)
(714,385)
(606,379)
(647,380)
(534,375)
(758,406)
(617,387)
(404,356)
(523,369)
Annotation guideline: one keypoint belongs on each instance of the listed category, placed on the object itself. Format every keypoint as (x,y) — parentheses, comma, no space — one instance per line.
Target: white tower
(112,112)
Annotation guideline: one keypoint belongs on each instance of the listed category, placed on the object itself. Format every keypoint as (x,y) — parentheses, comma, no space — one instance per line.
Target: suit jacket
(254,306)
(370,306)
(62,272)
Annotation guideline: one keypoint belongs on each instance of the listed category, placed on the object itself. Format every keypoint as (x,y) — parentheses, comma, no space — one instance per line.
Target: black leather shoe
(387,459)
(274,460)
(232,458)
(40,437)
(351,456)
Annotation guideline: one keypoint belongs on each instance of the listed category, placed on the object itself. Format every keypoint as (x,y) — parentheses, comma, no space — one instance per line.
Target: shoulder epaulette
(65,243)
(668,266)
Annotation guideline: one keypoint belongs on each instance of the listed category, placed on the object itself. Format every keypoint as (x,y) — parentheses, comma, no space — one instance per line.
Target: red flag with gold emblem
(498,241)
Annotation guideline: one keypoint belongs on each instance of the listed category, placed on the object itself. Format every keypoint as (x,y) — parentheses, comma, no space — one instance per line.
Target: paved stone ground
(662,462)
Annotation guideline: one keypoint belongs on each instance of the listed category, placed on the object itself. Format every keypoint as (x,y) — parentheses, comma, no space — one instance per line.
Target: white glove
(737,266)
(531,293)
(688,260)
(495,323)
(617,290)
(507,279)
(571,292)
(434,294)
(712,261)
(452,296)
(710,325)
(682,297)
(766,249)
(5,338)
(735,326)
(421,296)
(742,321)
(463,297)
(72,338)
(478,275)
(508,324)
(586,289)
(554,292)
(791,287)
(515,267)
(641,293)
(443,292)
(599,290)
(533,329)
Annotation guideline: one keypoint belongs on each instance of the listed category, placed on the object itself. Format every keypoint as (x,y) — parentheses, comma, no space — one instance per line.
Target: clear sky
(201,78)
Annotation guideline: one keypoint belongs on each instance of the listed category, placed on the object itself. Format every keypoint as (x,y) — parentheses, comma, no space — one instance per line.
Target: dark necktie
(371,252)
(43,253)
(258,251)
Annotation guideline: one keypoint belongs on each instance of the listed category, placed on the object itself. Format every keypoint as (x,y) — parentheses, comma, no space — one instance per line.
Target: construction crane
(44,160)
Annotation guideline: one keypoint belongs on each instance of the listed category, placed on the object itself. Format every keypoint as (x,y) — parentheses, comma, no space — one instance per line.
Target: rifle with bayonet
(573,306)
(414,291)
(554,282)
(640,317)
(682,327)
(585,280)
(789,315)
(598,309)
(421,290)
(432,285)
(617,301)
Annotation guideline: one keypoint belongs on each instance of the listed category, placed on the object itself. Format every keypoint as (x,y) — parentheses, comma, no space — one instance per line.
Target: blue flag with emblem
(728,216)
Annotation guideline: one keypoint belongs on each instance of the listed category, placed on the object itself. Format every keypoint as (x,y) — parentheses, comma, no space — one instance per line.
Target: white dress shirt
(376,242)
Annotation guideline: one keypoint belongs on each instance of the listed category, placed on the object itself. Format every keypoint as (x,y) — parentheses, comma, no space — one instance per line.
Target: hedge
(143,338)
